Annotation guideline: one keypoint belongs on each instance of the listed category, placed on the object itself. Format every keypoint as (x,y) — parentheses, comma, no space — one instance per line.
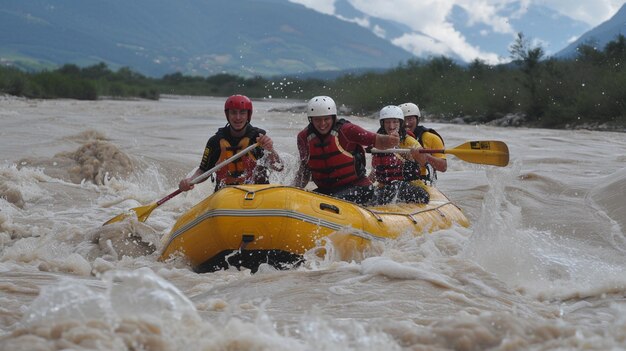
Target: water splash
(138,294)
(533,260)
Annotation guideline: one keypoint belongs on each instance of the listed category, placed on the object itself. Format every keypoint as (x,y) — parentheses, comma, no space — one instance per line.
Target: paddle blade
(142,213)
(487,152)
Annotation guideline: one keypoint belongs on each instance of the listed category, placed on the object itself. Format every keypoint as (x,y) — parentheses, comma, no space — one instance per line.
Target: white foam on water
(539,268)
(535,260)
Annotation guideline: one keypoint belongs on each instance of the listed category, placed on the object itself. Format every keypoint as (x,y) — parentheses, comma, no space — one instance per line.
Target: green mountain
(196,37)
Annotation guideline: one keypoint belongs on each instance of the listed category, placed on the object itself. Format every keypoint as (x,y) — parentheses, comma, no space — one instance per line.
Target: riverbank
(516,120)
(507,120)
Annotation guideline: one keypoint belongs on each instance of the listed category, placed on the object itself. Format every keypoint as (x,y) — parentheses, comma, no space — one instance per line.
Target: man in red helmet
(229,140)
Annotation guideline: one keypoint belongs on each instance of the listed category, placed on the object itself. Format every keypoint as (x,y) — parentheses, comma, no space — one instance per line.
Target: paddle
(487,152)
(143,212)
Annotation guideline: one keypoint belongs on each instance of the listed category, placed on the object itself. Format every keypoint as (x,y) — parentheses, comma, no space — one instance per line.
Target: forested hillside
(586,91)
(156,37)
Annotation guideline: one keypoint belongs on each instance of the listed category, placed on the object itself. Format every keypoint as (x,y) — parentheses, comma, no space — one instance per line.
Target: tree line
(588,89)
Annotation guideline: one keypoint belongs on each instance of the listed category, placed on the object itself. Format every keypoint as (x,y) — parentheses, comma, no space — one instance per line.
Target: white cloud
(486,13)
(430,18)
(422,45)
(323,6)
(363,22)
(434,35)
(415,14)
(592,12)
(379,31)
(456,43)
(572,39)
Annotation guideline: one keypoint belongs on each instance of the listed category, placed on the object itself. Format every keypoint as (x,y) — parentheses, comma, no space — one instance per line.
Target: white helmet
(321,106)
(410,109)
(391,111)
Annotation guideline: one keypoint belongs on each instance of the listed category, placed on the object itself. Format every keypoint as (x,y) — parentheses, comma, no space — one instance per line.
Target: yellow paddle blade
(142,213)
(484,152)
(488,152)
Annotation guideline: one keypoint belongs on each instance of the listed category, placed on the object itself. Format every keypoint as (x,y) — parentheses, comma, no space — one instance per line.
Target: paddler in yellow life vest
(429,139)
(238,134)
(398,174)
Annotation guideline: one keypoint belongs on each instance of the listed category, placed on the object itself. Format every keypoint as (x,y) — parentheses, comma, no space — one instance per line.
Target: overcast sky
(429,17)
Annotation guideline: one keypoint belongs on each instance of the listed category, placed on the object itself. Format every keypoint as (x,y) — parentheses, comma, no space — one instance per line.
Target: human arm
(209,159)
(185,183)
(384,141)
(303,175)
(439,164)
(438,161)
(414,145)
(357,135)
(265,142)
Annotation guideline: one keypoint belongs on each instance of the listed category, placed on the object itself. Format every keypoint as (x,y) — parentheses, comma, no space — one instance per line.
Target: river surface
(541,267)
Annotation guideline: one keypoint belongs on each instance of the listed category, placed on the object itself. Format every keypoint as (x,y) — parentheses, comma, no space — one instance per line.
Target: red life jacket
(387,167)
(330,164)
(240,171)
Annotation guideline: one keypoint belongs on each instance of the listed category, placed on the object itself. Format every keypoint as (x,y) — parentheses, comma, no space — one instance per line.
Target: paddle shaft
(143,212)
(404,151)
(160,202)
(489,152)
(455,152)
(206,174)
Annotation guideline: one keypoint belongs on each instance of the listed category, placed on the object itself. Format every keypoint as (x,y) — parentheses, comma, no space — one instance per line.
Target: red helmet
(238,102)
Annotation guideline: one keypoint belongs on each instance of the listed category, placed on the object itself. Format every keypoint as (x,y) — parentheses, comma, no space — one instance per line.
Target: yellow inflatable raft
(246,225)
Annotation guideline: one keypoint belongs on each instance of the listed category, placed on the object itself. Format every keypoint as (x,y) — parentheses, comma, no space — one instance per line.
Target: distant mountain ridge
(156,37)
(600,35)
(539,23)
(544,25)
(253,37)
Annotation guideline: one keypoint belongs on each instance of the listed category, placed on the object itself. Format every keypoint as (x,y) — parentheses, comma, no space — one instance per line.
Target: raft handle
(329,207)
(245,240)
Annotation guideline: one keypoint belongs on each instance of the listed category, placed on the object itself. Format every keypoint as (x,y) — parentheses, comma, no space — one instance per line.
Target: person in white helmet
(428,138)
(397,175)
(332,153)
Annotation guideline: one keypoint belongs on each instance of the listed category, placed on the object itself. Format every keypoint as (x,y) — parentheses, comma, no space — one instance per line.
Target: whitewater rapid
(541,266)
